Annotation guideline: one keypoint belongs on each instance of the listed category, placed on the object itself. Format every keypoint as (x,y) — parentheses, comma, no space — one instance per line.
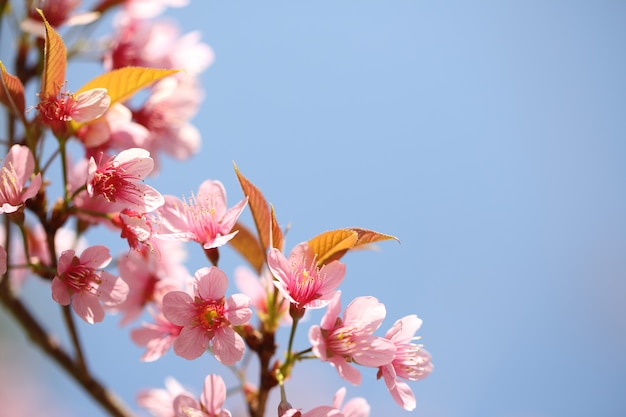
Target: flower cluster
(97,147)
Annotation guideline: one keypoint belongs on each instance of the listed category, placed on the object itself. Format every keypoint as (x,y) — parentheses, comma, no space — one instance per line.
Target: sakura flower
(136,228)
(272,309)
(119,180)
(204,218)
(211,400)
(411,361)
(159,401)
(81,282)
(301,280)
(114,130)
(18,167)
(356,407)
(55,112)
(157,337)
(150,274)
(207,317)
(146,9)
(342,341)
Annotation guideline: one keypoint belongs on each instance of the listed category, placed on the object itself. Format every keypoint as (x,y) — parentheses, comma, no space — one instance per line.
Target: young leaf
(54,63)
(12,93)
(259,209)
(369,236)
(277,233)
(122,83)
(248,246)
(332,245)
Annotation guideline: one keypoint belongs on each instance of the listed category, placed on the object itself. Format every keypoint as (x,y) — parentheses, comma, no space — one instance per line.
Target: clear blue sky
(489,137)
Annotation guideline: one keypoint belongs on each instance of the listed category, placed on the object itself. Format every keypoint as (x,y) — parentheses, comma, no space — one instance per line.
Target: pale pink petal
(136,161)
(318,342)
(365,313)
(323,411)
(228,346)
(88,307)
(65,260)
(403,395)
(187,406)
(178,308)
(404,329)
(96,257)
(33,188)
(90,105)
(112,290)
(334,273)
(214,394)
(346,371)
(334,308)
(211,283)
(249,282)
(220,240)
(279,265)
(191,343)
(237,309)
(22,160)
(356,407)
(150,199)
(377,351)
(60,292)
(231,216)
(213,191)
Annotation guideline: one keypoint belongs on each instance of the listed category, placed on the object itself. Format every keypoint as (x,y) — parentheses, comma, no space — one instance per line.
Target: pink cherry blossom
(271,308)
(18,167)
(159,401)
(211,400)
(150,274)
(82,282)
(166,114)
(301,280)
(207,317)
(204,218)
(119,181)
(114,130)
(157,337)
(146,9)
(89,105)
(343,341)
(411,361)
(356,407)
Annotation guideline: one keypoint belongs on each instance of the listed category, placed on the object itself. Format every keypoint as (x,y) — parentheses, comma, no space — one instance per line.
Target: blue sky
(488,137)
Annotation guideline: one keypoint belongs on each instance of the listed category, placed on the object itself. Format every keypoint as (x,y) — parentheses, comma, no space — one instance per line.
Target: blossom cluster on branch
(121,139)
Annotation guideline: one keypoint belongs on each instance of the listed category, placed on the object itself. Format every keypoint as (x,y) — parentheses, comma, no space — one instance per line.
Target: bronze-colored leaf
(258,207)
(248,246)
(332,245)
(54,64)
(12,93)
(277,233)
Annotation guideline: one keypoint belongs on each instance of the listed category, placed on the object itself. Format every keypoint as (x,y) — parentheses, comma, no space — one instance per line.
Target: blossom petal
(91,104)
(214,394)
(237,309)
(211,283)
(178,308)
(191,343)
(112,290)
(96,257)
(228,346)
(88,307)
(60,292)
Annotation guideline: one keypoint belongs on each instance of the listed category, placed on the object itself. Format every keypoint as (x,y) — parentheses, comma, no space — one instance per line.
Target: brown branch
(45,342)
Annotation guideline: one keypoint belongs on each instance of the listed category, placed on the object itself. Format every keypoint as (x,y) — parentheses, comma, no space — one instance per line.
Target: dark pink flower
(55,112)
(18,167)
(411,361)
(344,341)
(82,282)
(208,317)
(301,281)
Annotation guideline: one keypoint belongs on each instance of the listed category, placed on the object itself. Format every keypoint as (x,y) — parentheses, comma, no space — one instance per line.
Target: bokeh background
(489,137)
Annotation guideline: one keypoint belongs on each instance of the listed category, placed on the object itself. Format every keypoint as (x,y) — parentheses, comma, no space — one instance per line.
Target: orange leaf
(249,247)
(122,83)
(12,92)
(55,61)
(370,236)
(332,245)
(258,207)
